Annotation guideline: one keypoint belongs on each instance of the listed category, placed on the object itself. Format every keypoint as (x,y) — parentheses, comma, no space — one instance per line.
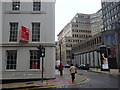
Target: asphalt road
(97,80)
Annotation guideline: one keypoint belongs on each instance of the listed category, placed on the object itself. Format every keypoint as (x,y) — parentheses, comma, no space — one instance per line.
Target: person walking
(73,70)
(60,68)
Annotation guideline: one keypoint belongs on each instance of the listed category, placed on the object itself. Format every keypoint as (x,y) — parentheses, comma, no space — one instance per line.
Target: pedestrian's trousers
(73,76)
(61,72)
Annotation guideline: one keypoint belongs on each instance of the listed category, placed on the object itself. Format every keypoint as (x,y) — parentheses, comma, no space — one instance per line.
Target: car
(81,66)
(67,66)
(84,67)
(87,67)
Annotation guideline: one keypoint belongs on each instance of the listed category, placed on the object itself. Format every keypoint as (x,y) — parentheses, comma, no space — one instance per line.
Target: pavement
(113,72)
(59,81)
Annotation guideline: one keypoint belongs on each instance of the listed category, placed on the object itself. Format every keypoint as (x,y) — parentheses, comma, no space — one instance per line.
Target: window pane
(34,60)
(11,59)
(13,32)
(16,6)
(35,31)
(36,6)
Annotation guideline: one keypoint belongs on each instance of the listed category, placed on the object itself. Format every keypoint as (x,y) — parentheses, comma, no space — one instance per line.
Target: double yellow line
(87,79)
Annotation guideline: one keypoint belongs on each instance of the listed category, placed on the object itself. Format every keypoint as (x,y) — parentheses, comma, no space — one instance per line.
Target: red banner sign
(24,34)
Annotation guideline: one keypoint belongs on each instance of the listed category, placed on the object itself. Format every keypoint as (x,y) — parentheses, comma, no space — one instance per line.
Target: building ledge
(25,12)
(48,44)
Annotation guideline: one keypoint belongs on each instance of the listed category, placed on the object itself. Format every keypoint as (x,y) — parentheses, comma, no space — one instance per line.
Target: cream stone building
(23,27)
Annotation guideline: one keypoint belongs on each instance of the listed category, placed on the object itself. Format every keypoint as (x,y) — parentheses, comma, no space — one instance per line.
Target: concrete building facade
(111,14)
(86,52)
(96,22)
(19,58)
(81,27)
(111,19)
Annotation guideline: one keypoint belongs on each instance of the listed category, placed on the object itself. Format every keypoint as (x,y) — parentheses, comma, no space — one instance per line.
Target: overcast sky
(65,10)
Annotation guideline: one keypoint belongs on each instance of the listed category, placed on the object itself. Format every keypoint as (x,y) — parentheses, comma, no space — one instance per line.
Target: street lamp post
(60,51)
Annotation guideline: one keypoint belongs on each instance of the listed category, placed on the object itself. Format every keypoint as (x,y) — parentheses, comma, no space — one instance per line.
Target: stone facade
(19,59)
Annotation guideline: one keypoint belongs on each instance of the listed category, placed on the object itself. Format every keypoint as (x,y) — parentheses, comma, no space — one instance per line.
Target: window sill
(10,70)
(34,70)
(25,12)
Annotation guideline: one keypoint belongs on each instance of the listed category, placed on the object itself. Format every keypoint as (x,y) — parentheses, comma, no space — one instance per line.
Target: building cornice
(27,45)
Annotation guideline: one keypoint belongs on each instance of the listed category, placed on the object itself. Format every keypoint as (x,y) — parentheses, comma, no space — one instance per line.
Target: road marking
(87,79)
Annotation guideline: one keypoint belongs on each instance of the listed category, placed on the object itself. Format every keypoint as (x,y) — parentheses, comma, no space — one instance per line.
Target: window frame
(36,31)
(34,58)
(14,52)
(37,6)
(13,33)
(16,6)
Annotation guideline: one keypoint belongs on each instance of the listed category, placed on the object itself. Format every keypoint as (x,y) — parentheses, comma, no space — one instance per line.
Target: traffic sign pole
(42,67)
(41,53)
